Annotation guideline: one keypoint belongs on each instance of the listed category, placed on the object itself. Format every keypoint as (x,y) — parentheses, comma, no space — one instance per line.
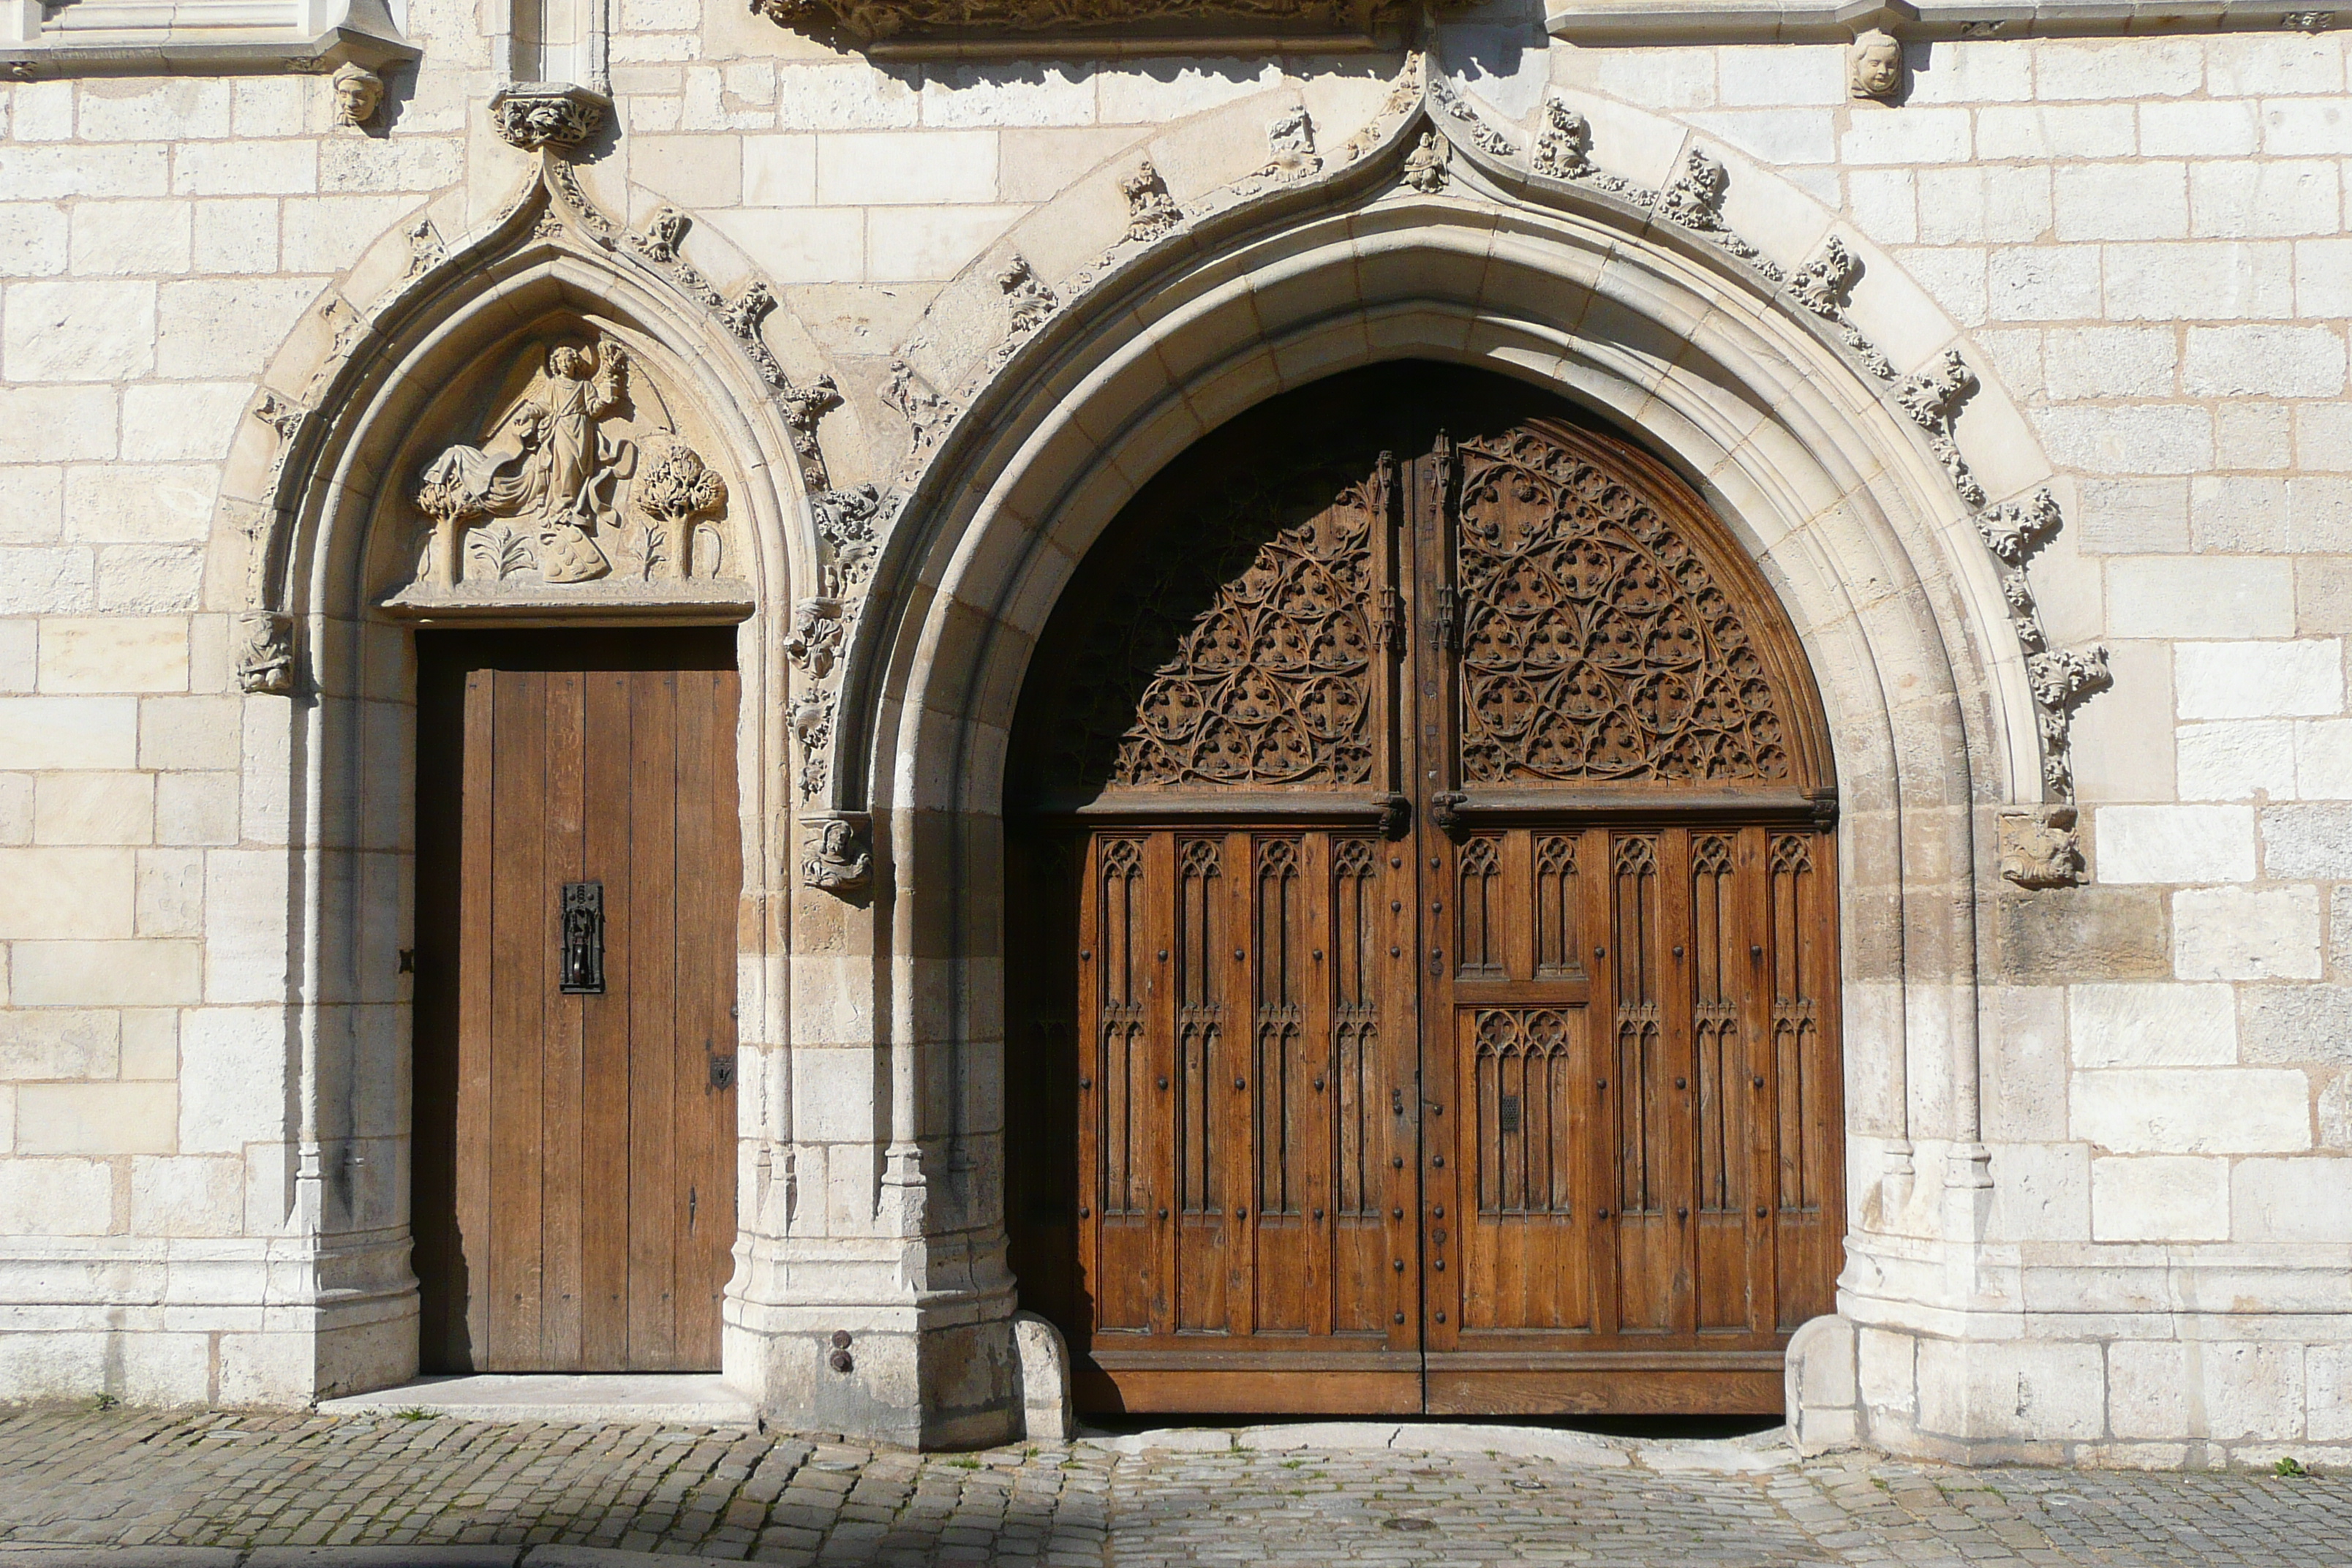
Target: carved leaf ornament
(1595,644)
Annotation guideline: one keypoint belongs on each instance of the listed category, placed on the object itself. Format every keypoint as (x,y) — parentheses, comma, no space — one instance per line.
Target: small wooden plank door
(1430,997)
(579,872)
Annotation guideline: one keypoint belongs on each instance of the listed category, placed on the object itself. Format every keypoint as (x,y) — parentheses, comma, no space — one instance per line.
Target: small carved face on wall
(1874,66)
(358,93)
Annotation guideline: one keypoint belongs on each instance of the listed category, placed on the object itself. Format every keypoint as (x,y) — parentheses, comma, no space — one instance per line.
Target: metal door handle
(580,965)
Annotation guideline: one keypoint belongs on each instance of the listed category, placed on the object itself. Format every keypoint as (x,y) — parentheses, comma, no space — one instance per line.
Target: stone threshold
(347,1557)
(637,1399)
(1767,1450)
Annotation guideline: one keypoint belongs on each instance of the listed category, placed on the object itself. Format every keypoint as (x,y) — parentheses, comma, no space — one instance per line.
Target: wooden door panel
(575,1200)
(1252,1164)
(1531,1087)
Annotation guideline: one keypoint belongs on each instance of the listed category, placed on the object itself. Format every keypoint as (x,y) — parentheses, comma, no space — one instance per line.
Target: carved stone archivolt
(1595,644)
(577,476)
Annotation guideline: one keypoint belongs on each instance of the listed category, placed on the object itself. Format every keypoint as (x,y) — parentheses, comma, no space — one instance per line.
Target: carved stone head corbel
(264,653)
(1874,65)
(358,93)
(836,851)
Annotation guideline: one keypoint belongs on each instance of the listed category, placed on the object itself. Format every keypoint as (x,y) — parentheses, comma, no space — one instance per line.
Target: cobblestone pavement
(150,1487)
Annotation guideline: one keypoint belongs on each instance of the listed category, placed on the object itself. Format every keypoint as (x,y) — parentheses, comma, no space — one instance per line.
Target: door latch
(582,970)
(722,1069)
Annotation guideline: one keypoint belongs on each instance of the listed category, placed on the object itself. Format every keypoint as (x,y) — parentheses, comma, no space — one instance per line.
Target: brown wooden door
(579,870)
(1432,1002)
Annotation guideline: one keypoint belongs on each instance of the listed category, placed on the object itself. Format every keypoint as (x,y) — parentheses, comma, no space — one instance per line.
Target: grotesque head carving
(1874,66)
(358,93)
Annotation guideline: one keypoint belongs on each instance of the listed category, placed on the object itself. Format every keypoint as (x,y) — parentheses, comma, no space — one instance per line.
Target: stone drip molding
(1825,21)
(1429,138)
(551,209)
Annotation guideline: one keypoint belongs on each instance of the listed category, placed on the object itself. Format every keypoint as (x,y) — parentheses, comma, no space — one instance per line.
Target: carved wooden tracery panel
(1595,644)
(1250,640)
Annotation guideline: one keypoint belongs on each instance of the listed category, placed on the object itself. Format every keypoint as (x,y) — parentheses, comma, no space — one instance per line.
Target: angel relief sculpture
(555,493)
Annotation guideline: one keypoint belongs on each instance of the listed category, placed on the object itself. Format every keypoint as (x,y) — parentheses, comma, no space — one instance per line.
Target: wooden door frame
(1748,1379)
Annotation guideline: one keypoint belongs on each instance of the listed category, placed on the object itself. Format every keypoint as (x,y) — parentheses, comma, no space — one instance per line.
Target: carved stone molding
(2039,847)
(852,522)
(927,413)
(837,851)
(264,653)
(1483,136)
(424,248)
(958,25)
(1151,210)
(535,115)
(1932,399)
(814,640)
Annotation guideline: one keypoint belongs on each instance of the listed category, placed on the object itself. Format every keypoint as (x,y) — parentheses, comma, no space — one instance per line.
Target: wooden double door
(578,877)
(1424,997)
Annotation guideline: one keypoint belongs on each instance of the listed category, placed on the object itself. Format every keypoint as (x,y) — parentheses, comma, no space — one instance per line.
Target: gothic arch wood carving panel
(1596,642)
(1432,983)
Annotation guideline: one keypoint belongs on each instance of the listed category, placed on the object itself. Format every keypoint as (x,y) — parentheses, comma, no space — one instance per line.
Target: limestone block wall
(2142,241)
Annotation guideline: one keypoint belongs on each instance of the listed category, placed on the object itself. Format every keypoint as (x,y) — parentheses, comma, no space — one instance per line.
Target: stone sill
(1764,21)
(167,38)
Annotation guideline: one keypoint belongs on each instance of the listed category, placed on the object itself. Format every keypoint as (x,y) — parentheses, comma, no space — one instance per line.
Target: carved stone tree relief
(1595,644)
(572,473)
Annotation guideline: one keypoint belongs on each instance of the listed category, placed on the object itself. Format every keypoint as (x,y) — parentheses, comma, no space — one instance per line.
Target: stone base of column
(942,1376)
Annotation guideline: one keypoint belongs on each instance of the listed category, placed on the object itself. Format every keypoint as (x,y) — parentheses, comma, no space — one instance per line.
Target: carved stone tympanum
(569,483)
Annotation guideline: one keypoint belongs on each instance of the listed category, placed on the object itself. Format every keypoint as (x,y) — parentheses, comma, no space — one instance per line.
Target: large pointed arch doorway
(1423,977)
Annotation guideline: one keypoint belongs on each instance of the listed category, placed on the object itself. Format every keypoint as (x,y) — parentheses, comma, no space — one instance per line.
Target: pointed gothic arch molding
(329,461)
(1844,484)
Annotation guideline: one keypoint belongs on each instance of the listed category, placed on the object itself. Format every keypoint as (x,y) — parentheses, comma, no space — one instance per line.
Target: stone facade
(2025,376)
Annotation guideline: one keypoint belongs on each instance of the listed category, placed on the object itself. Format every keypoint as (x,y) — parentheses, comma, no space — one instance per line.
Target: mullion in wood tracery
(1595,644)
(1125,1068)
(1796,1023)
(1200,1022)
(1279,1029)
(1354,1026)
(1715,1018)
(1640,1131)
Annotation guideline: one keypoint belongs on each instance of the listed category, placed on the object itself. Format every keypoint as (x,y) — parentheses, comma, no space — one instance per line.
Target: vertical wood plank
(524,926)
(477,954)
(655,1193)
(605,1131)
(562,1199)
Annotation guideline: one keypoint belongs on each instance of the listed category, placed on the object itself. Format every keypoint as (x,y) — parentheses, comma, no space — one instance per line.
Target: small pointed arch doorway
(1425,992)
